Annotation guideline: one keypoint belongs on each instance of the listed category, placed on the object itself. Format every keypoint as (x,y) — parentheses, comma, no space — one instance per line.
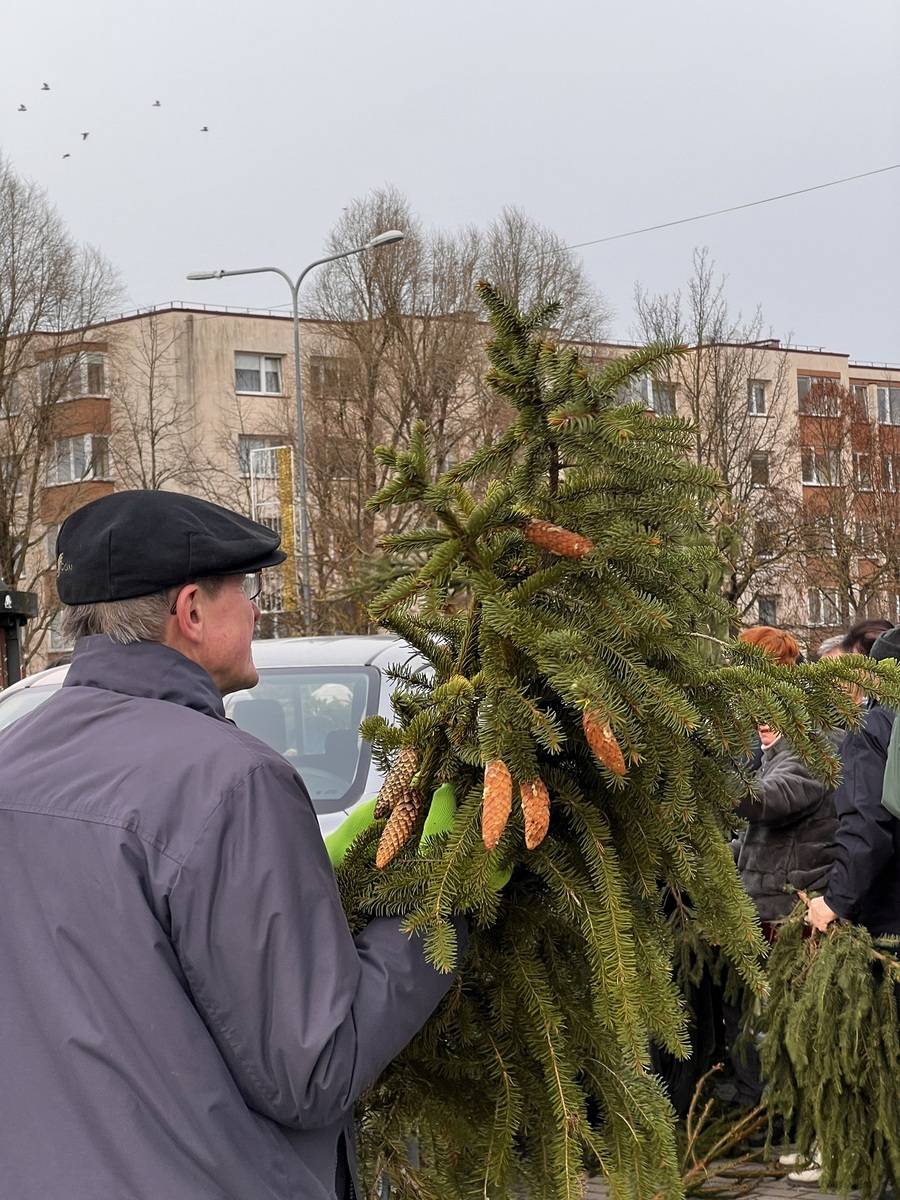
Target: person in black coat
(864,885)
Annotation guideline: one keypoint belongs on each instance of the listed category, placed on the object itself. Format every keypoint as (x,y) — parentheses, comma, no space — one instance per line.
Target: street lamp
(380,239)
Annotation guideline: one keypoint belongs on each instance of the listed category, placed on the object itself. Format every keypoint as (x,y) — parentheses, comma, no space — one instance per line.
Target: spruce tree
(831,1051)
(591,724)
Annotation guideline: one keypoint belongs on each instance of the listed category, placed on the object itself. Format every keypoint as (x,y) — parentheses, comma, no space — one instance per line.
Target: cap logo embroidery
(62,566)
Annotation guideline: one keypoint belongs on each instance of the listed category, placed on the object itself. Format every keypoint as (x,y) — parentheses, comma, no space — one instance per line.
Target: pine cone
(602,742)
(558,540)
(536,808)
(399,827)
(399,778)
(497,802)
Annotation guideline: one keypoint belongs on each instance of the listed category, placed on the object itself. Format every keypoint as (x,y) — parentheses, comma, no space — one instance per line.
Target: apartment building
(202,399)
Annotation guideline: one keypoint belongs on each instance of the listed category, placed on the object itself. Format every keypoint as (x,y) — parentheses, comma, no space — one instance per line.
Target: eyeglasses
(250,585)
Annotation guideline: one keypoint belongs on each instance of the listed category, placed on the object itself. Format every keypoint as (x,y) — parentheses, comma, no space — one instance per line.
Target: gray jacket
(184,1014)
(788,844)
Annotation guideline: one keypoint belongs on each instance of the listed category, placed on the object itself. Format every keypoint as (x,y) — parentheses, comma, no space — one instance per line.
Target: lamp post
(381,239)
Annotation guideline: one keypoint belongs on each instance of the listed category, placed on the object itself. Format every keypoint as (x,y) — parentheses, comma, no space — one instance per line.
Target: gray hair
(140,619)
(829,645)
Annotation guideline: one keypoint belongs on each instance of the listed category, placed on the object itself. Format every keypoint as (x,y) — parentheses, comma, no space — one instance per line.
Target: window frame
(816,455)
(817,598)
(886,396)
(77,385)
(262,360)
(97,465)
(262,441)
(753,407)
(758,457)
(769,614)
(862,482)
(860,394)
(824,409)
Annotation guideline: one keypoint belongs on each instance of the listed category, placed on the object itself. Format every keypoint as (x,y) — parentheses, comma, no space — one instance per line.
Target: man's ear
(189,613)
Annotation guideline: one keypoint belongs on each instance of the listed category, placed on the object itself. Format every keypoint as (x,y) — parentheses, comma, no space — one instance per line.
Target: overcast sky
(594,118)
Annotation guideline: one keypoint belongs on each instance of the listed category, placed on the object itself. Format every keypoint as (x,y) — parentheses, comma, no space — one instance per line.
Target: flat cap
(886,645)
(135,543)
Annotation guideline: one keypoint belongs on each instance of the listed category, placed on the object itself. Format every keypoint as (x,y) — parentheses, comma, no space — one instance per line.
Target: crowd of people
(840,848)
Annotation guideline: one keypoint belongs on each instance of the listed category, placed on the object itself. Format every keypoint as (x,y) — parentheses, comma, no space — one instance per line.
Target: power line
(734,208)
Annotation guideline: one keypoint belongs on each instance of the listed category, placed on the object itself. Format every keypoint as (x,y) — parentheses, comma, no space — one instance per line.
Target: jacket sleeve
(782,791)
(305,1016)
(864,838)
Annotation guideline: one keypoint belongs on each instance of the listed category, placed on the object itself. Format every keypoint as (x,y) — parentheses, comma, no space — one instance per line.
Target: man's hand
(819,915)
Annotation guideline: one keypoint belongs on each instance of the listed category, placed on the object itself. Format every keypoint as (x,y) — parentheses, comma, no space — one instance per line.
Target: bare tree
(403,340)
(530,264)
(732,382)
(155,439)
(53,291)
(849,549)
(400,343)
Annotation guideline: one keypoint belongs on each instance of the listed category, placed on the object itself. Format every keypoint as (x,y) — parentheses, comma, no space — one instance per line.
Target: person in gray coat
(787,846)
(184,1013)
(788,843)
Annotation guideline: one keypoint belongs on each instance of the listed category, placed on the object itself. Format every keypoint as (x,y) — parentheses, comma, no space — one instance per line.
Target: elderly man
(183,1010)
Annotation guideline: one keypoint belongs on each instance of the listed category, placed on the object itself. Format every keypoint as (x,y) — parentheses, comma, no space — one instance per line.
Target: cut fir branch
(602,634)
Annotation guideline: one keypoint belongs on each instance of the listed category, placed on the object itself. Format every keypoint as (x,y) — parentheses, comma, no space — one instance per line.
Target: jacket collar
(144,669)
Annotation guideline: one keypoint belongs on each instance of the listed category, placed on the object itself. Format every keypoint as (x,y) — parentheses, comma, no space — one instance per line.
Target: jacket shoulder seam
(94,820)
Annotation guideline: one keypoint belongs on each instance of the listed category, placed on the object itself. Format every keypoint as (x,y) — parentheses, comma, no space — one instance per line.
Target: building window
(890,465)
(821,538)
(819,396)
(11,475)
(860,393)
(820,465)
(767,610)
(889,606)
(759,468)
(330,378)
(765,541)
(656,395)
(72,376)
(757,402)
(10,397)
(823,607)
(256,456)
(889,405)
(77,458)
(862,471)
(51,536)
(662,397)
(258,373)
(866,536)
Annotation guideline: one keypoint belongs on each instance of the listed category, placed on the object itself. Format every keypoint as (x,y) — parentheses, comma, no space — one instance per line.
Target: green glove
(338,843)
(440,820)
(441,814)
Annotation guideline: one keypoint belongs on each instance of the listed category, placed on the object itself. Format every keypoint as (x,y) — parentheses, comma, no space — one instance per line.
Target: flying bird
(45,87)
(155,104)
(205,129)
(67,156)
(84,137)
(22,108)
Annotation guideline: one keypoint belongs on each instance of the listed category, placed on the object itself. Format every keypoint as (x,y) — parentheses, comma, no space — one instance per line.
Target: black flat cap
(132,544)
(886,645)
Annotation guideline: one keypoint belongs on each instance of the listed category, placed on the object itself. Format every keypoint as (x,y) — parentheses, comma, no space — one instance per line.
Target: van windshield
(311,715)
